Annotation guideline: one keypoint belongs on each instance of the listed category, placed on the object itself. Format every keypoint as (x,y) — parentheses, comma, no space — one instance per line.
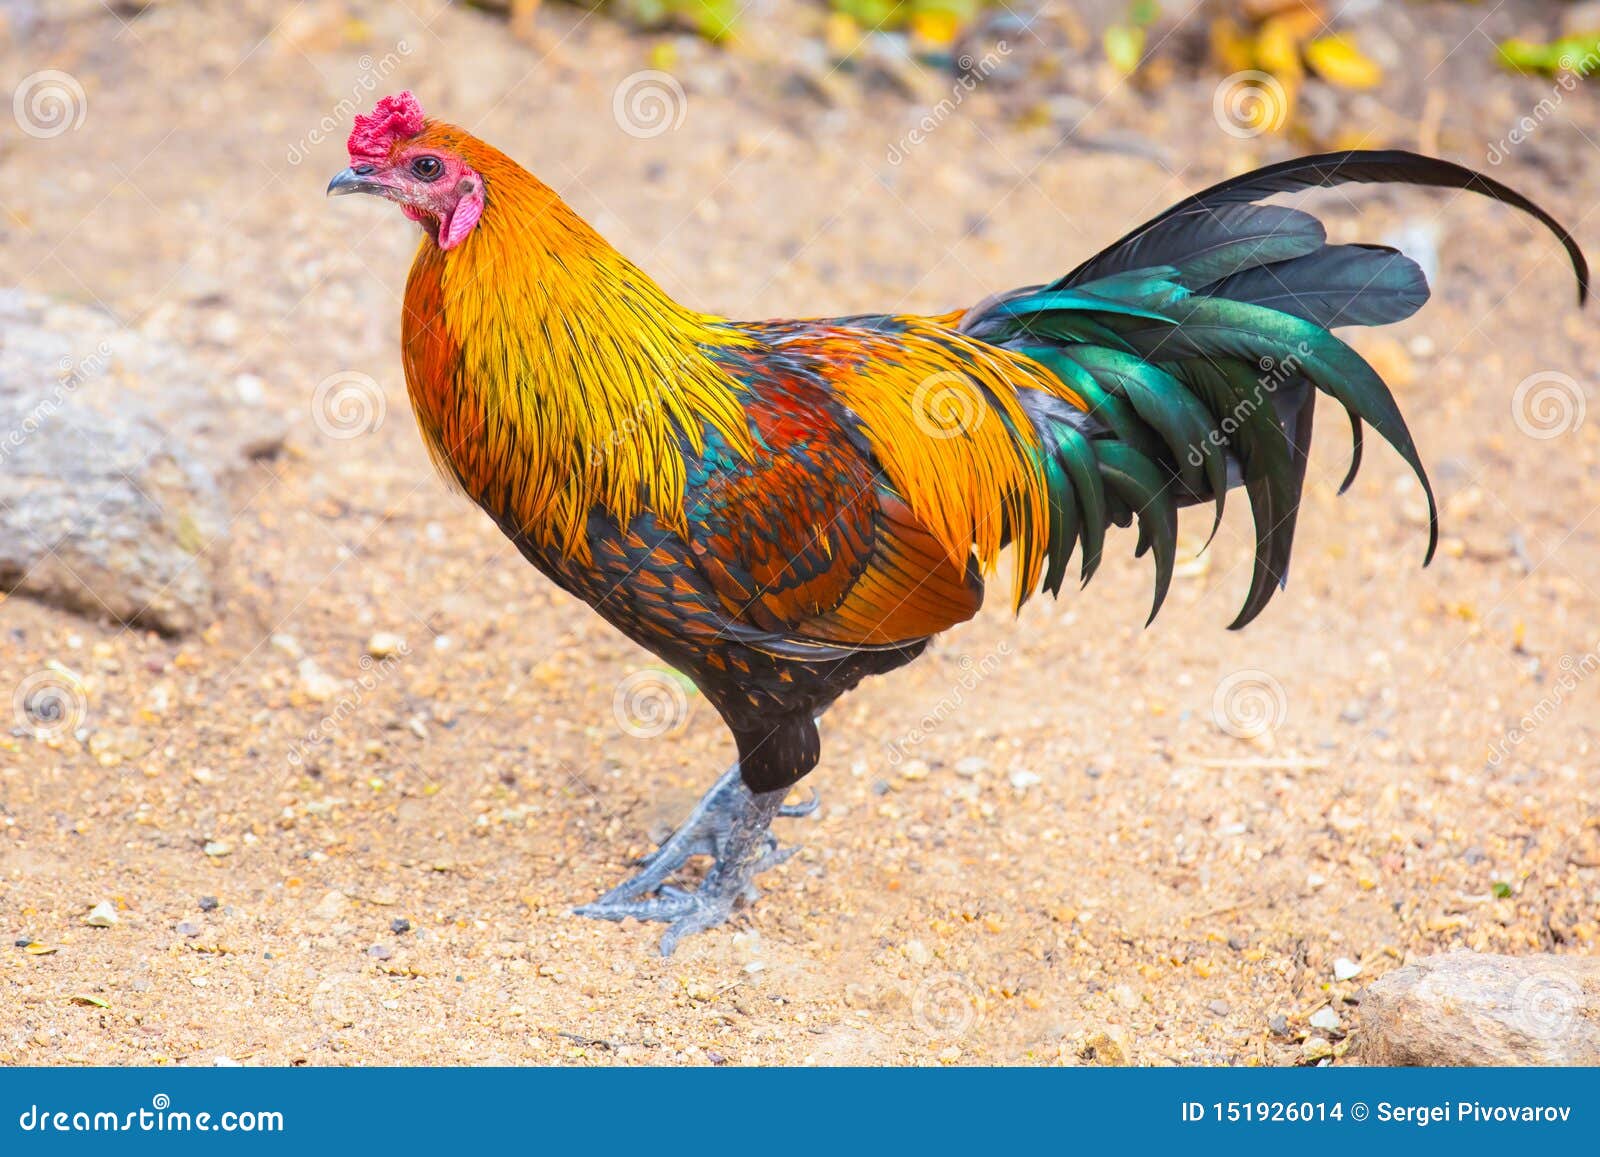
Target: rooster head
(392,156)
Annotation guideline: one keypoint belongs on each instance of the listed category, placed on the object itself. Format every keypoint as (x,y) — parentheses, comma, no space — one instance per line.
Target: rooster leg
(702,833)
(730,824)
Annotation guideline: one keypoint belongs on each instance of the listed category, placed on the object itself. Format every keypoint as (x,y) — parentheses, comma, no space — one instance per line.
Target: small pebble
(1220,1008)
(1345,969)
(208,903)
(400,926)
(218,848)
(385,644)
(317,684)
(187,928)
(380,952)
(102,915)
(1023,780)
(914,770)
(1315,1048)
(969,766)
(332,905)
(1279,1025)
(1325,1018)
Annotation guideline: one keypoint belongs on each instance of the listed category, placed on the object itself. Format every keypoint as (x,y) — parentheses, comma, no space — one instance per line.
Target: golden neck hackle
(570,376)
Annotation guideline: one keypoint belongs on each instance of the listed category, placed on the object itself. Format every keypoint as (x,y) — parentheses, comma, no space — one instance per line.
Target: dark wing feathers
(1206,244)
(1326,170)
(1199,342)
(1337,285)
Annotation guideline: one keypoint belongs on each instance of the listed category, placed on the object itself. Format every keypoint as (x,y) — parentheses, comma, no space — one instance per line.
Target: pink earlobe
(453,229)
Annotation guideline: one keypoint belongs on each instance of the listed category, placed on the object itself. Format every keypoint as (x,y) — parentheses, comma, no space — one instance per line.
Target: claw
(799,811)
(729,824)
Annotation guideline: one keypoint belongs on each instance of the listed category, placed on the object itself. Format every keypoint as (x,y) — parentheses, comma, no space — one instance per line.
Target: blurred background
(301,764)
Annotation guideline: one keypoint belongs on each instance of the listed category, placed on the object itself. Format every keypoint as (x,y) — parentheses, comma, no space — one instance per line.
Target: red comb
(395,118)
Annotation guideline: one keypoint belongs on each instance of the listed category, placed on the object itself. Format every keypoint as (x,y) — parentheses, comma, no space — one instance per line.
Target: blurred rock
(111,447)
(1473,1009)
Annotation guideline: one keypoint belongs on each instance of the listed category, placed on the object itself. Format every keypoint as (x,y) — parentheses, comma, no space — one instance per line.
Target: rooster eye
(428,168)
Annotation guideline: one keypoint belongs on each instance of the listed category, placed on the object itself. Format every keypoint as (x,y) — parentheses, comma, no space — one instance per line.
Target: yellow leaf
(1124,47)
(842,35)
(1338,61)
(935,29)
(1278,48)
(664,55)
(1231,46)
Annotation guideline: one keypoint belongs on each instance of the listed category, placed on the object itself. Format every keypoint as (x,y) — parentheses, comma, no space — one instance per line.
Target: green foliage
(892,14)
(713,19)
(1575,54)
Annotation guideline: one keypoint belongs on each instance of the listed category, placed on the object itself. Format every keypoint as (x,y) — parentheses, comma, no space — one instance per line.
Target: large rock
(111,445)
(1472,1009)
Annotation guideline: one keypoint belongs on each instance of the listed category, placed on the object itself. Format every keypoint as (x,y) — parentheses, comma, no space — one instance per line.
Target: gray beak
(355,181)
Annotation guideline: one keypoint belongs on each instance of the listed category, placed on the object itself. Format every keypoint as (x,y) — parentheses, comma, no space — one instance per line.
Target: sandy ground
(1037,845)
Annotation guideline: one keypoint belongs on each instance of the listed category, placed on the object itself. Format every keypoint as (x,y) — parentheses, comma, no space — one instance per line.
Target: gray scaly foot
(730,824)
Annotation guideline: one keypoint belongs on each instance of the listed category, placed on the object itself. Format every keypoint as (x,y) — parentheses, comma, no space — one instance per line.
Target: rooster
(779,509)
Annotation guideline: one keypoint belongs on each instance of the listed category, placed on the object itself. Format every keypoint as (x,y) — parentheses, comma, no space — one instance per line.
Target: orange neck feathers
(549,374)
